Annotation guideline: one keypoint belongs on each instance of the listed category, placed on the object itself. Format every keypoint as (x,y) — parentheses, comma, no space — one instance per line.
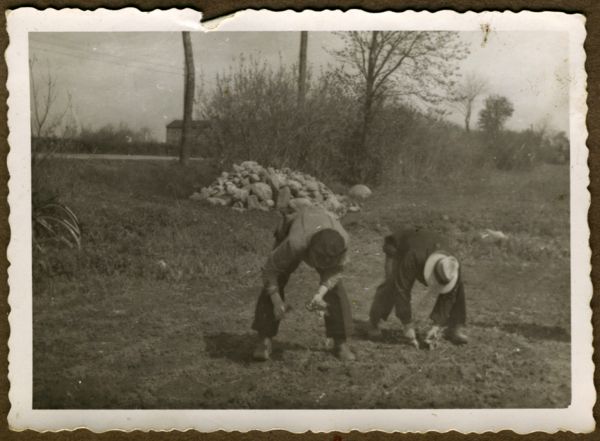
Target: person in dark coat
(418,255)
(316,237)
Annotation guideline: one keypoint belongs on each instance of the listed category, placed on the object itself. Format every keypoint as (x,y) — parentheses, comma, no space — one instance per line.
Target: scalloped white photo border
(577,417)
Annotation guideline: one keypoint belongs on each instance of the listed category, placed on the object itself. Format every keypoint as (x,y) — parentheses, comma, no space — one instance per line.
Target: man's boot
(457,335)
(343,351)
(373,330)
(263,349)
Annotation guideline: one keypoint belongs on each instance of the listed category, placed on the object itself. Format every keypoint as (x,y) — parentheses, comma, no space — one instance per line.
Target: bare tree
(381,65)
(44,116)
(188,100)
(70,126)
(302,68)
(465,95)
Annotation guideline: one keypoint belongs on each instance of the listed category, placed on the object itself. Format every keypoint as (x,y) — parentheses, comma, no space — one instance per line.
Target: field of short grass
(112,328)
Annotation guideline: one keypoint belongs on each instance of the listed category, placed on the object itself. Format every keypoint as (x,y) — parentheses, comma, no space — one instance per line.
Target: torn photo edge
(577,417)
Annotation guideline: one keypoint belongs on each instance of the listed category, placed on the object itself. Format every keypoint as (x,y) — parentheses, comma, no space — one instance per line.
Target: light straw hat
(441,273)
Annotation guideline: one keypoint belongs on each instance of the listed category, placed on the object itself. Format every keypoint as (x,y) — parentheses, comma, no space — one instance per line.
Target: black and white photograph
(316,211)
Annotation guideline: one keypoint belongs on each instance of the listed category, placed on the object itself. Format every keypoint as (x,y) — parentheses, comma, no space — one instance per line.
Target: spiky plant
(55,223)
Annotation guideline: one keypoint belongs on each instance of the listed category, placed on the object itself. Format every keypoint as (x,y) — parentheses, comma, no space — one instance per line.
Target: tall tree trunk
(188,100)
(302,68)
(468,116)
(362,154)
(362,165)
(467,121)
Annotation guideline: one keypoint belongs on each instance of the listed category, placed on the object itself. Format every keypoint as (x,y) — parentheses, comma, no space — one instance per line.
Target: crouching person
(314,236)
(421,255)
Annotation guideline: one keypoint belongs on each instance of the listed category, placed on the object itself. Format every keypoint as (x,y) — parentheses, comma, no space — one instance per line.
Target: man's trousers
(395,292)
(338,316)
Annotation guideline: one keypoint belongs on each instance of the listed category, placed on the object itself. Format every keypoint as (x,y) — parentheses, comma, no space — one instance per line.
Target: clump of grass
(55,223)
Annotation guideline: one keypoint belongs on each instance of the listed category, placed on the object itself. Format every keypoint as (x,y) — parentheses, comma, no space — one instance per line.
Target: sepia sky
(137,78)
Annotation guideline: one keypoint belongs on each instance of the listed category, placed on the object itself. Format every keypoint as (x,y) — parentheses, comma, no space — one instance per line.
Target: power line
(79,49)
(128,63)
(65,45)
(112,62)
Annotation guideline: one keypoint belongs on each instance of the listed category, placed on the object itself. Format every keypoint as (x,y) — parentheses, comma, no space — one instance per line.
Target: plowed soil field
(154,311)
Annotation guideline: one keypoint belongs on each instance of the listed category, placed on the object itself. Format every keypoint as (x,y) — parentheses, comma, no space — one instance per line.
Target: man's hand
(317,303)
(411,335)
(432,338)
(279,312)
(278,306)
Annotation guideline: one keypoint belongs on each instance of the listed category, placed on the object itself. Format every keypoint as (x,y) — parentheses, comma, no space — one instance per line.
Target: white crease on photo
(577,417)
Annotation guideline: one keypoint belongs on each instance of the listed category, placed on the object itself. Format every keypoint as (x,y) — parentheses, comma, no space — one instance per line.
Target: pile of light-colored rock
(250,186)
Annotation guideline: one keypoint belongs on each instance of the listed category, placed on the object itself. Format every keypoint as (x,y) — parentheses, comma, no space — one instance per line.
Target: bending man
(420,255)
(314,236)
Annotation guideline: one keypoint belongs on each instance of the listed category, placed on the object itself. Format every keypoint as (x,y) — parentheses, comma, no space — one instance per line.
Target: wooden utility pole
(188,100)
(302,68)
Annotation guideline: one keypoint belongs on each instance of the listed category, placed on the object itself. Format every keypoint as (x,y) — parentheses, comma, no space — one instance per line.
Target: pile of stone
(250,186)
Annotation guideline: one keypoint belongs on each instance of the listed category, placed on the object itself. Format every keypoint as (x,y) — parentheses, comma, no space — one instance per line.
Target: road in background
(113,157)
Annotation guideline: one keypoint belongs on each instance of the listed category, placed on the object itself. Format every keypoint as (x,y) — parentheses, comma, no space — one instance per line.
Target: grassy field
(114,329)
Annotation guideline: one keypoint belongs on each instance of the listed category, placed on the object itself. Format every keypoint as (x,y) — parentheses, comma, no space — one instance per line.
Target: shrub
(555,149)
(254,116)
(416,146)
(54,224)
(515,150)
